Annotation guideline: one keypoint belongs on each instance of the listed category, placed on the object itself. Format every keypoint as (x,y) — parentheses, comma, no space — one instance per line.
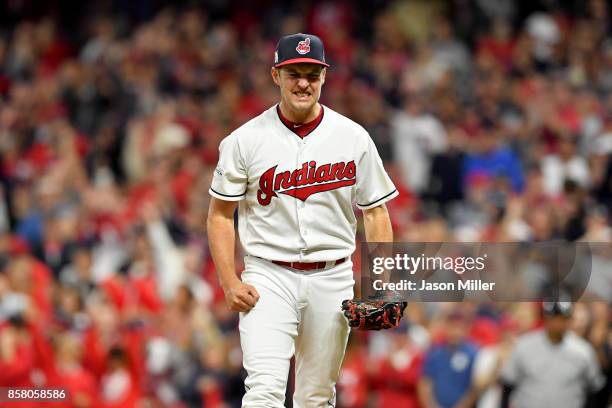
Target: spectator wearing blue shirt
(446,380)
(495,160)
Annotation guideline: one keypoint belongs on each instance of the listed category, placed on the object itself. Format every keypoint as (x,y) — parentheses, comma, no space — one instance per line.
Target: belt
(309,266)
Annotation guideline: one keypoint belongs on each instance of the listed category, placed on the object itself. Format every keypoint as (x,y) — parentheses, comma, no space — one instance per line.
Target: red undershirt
(300,130)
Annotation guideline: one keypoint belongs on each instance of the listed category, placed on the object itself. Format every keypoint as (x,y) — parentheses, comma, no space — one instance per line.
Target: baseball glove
(373,314)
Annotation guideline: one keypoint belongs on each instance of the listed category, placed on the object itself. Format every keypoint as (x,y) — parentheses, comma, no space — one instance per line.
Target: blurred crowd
(494,118)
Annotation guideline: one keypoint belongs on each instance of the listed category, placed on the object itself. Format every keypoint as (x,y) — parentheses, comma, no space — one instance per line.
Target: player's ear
(323,71)
(275,72)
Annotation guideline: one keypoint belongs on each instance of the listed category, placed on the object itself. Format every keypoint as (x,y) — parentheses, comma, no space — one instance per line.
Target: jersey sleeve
(229,180)
(511,371)
(374,186)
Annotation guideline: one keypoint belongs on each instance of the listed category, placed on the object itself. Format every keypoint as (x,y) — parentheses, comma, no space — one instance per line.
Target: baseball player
(294,172)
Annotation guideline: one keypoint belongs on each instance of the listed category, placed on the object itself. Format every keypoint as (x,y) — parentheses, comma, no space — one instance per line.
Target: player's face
(556,326)
(300,86)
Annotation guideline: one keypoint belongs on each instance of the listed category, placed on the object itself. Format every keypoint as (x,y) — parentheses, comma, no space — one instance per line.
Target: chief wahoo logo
(303,47)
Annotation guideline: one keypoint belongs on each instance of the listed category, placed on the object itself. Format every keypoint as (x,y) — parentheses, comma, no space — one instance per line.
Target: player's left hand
(373,314)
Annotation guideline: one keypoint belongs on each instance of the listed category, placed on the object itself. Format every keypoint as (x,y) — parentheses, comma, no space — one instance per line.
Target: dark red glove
(373,314)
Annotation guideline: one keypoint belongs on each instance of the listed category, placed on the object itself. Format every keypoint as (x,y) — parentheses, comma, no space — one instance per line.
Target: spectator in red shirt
(395,376)
(353,381)
(119,389)
(17,353)
(66,372)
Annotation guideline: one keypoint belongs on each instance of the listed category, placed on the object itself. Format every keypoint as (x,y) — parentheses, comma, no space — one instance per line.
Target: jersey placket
(301,210)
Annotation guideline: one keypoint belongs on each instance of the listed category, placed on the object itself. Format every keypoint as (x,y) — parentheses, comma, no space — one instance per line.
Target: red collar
(302,130)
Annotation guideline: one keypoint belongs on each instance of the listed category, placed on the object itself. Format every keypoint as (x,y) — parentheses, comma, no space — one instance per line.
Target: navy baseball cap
(297,48)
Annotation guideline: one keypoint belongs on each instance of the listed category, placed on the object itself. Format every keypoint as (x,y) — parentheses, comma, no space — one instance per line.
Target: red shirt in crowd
(395,379)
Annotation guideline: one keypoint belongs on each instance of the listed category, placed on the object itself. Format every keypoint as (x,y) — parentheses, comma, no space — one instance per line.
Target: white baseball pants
(297,312)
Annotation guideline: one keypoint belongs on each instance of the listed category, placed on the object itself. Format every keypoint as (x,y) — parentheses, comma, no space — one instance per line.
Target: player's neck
(300,117)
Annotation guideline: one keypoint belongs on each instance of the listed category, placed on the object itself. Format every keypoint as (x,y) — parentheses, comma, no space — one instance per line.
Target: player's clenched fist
(241,297)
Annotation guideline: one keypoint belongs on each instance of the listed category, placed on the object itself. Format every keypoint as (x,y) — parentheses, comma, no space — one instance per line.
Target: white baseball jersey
(296,193)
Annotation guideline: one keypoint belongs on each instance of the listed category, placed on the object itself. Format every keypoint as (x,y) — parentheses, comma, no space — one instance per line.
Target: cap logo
(303,47)
(276,57)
